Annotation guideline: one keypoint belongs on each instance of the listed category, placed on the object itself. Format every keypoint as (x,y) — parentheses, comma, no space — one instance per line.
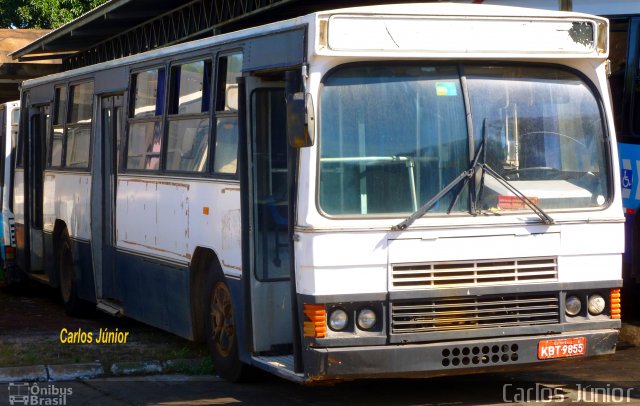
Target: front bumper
(423,360)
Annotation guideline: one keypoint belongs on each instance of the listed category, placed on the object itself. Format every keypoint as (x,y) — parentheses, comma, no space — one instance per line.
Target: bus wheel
(73,305)
(221,332)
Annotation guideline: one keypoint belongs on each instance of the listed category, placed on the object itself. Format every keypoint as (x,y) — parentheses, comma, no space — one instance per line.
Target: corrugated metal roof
(119,28)
(105,21)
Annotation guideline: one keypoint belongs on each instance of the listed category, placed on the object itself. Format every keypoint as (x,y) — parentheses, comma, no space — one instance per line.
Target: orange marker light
(316,325)
(615,304)
(205,211)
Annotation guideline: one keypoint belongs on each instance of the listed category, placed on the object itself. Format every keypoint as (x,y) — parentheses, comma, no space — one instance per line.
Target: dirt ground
(31,324)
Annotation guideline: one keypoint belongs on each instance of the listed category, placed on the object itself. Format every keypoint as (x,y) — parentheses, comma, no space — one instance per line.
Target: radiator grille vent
(445,274)
(462,313)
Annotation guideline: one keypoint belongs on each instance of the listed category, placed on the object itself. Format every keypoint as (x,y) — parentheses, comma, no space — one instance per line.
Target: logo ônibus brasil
(35,394)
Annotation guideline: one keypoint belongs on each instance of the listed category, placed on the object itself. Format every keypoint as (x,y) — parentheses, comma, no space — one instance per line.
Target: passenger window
(188,136)
(78,128)
(57,138)
(226,145)
(145,123)
(191,88)
(21,137)
(3,124)
(15,119)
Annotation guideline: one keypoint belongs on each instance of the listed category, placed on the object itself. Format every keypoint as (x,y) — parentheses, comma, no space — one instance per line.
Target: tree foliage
(42,13)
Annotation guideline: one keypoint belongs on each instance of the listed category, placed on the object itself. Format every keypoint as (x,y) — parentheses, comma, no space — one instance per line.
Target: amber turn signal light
(316,324)
(615,304)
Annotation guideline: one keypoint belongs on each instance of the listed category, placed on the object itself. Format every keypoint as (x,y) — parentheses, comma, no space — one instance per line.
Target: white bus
(9,117)
(624,87)
(385,191)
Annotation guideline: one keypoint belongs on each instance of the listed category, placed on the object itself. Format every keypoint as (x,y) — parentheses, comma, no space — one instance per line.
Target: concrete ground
(38,317)
(609,380)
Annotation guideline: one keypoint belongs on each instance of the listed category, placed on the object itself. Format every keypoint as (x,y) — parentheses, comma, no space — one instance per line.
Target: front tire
(221,331)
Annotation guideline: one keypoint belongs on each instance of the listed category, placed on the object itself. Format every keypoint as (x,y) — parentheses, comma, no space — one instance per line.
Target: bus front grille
(462,313)
(464,273)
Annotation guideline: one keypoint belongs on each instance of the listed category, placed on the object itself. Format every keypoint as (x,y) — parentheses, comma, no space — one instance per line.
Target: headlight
(366,319)
(572,305)
(338,320)
(596,304)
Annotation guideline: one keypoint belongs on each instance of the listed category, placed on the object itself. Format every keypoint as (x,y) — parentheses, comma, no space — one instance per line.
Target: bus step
(110,308)
(281,365)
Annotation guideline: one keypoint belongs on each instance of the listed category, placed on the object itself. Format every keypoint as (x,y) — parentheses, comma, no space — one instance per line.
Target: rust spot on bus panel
(157,182)
(157,249)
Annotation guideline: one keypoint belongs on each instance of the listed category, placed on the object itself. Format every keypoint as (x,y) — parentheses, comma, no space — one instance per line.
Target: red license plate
(567,347)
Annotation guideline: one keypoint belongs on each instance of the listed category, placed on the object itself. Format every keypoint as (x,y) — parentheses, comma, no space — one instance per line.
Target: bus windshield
(392,136)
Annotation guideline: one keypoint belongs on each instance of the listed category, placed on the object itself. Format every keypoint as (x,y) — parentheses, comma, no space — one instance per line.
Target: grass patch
(143,346)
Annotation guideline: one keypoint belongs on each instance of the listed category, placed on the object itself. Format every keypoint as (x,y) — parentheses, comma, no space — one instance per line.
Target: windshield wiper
(505,182)
(466,176)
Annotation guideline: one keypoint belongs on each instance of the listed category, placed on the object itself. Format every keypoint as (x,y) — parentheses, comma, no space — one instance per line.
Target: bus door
(38,129)
(270,285)
(104,171)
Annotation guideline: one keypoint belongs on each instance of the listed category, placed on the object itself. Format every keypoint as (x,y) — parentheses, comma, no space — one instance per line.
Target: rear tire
(73,305)
(221,331)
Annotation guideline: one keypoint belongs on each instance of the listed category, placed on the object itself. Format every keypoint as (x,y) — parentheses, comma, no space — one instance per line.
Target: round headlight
(366,319)
(338,320)
(572,305)
(596,304)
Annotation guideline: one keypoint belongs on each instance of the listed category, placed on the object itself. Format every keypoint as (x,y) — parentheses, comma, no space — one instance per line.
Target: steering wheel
(540,172)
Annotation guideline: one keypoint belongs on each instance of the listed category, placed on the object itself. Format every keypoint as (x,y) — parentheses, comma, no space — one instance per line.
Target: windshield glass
(393,136)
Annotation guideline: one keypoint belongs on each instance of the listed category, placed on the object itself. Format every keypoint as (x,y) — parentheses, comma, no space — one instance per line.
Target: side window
(20,142)
(3,142)
(15,119)
(78,128)
(188,120)
(225,159)
(145,120)
(57,138)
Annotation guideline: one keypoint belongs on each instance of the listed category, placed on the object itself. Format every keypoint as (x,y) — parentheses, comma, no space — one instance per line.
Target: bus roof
(428,10)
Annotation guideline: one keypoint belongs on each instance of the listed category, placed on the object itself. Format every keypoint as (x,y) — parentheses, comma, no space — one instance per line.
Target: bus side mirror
(300,116)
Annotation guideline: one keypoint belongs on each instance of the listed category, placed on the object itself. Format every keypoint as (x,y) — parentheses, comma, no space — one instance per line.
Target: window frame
(160,118)
(168,117)
(54,125)
(216,114)
(20,161)
(461,64)
(165,118)
(68,125)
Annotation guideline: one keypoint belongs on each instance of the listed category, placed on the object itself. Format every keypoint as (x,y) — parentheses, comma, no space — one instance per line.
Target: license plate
(567,347)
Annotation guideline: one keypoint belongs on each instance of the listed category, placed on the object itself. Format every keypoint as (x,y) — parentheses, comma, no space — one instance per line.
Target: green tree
(42,13)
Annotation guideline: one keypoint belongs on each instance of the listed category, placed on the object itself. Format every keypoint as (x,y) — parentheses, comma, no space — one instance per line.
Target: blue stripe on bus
(155,293)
